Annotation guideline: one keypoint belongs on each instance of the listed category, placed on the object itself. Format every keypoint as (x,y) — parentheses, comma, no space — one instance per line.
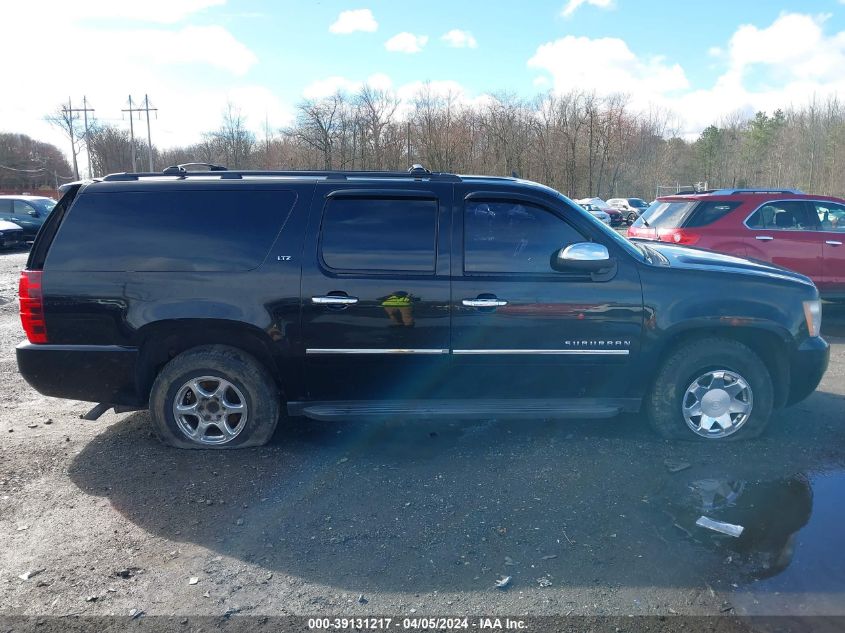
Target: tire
(684,366)
(631,218)
(200,377)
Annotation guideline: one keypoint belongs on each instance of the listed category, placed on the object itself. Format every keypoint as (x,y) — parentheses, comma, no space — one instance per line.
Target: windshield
(639,203)
(619,239)
(45,205)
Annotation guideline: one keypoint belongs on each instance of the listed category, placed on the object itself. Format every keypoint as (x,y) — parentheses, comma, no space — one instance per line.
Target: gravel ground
(596,518)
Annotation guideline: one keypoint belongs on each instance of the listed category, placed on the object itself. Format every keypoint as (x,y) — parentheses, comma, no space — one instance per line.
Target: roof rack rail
(733,192)
(417,172)
(182,168)
(688,192)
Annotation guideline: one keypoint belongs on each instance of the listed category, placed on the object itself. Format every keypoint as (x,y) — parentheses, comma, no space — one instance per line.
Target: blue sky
(696,62)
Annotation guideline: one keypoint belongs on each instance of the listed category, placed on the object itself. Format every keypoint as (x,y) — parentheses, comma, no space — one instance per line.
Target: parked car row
(620,210)
(21,217)
(804,233)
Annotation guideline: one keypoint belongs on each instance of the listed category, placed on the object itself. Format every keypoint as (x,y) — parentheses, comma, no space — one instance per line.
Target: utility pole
(69,112)
(85,110)
(130,110)
(266,141)
(148,109)
(410,162)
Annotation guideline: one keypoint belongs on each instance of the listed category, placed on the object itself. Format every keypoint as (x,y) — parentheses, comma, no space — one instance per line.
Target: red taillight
(32,306)
(677,236)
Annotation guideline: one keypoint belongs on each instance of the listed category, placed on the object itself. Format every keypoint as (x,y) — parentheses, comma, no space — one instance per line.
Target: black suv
(217,299)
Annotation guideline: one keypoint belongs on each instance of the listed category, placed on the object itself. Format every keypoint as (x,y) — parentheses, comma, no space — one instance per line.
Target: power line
(147,109)
(130,110)
(69,112)
(40,170)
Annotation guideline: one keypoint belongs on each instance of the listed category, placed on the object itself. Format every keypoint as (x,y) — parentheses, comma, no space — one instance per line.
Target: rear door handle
(833,243)
(334,300)
(764,238)
(484,303)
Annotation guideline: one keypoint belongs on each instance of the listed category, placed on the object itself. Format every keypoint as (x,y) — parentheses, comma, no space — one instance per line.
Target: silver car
(597,213)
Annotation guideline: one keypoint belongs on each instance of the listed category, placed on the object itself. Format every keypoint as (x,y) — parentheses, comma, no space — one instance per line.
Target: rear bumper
(809,362)
(94,373)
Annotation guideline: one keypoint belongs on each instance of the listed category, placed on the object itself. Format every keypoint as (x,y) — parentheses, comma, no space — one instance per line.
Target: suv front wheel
(712,389)
(214,396)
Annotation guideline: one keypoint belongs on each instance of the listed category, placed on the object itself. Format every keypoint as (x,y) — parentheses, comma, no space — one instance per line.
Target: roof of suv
(215,173)
(742,194)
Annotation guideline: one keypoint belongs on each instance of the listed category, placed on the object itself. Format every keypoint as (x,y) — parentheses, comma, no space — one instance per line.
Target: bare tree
(318,125)
(233,141)
(71,125)
(110,148)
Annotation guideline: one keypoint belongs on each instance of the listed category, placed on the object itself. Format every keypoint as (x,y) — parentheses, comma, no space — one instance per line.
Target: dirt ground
(592,517)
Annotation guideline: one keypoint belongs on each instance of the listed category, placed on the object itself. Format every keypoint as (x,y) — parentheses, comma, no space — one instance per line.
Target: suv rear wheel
(712,389)
(214,397)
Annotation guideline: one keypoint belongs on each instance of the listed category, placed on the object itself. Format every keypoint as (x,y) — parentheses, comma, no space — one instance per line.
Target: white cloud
(406,43)
(405,93)
(155,11)
(790,61)
(210,45)
(189,70)
(355,20)
(331,85)
(573,5)
(457,38)
(605,65)
(794,45)
(786,63)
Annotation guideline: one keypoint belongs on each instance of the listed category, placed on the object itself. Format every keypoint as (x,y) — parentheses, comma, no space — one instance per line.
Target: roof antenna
(514,174)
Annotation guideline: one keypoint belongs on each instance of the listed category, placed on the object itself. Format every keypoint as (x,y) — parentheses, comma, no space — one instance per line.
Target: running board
(526,409)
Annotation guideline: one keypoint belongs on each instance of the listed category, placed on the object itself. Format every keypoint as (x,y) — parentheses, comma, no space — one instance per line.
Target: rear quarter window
(170,231)
(708,212)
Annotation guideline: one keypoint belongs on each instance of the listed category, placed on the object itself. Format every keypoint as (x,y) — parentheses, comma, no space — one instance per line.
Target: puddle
(813,582)
(790,557)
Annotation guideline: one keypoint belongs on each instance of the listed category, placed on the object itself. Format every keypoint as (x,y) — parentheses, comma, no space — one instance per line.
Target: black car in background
(28,212)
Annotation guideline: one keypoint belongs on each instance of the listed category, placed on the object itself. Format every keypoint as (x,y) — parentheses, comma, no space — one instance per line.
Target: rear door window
(379,235)
(191,230)
(707,212)
(788,215)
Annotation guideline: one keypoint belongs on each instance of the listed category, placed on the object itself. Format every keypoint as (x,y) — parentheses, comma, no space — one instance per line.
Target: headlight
(813,316)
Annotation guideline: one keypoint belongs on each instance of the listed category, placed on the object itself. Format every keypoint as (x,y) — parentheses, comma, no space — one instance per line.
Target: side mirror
(33,213)
(587,257)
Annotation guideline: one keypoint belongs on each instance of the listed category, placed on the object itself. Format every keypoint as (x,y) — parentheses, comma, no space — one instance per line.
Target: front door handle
(833,243)
(484,303)
(334,300)
(764,238)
